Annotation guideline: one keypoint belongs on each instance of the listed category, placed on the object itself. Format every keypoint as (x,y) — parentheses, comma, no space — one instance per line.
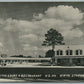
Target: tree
(49,53)
(40,56)
(52,38)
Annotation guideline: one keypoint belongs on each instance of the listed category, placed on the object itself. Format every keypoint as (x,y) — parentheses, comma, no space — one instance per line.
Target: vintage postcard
(42,42)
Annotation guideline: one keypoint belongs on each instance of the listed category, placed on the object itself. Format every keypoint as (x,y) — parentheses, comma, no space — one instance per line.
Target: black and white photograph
(41,42)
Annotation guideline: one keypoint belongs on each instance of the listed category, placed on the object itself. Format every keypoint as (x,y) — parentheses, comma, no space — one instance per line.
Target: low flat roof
(69,56)
(16,58)
(12,58)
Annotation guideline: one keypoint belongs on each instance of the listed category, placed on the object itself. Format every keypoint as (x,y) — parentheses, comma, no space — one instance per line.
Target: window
(59,52)
(69,52)
(76,52)
(79,52)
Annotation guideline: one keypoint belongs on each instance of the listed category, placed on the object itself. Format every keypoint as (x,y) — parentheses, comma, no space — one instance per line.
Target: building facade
(69,55)
(69,50)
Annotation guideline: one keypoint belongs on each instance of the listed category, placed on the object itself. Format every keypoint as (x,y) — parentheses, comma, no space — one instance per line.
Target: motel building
(65,55)
(69,55)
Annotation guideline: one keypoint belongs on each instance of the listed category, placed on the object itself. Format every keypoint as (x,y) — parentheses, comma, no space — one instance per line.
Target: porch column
(82,61)
(70,61)
(56,61)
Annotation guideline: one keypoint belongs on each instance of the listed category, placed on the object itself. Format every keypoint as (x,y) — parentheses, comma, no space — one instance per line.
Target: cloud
(75,33)
(62,18)
(1,45)
(64,12)
(38,17)
(29,35)
(29,39)
(30,47)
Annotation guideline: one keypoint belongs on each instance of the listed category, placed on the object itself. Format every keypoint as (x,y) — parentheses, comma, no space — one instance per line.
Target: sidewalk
(10,80)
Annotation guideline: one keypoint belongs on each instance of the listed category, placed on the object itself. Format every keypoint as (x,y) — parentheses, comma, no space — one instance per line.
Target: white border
(41,0)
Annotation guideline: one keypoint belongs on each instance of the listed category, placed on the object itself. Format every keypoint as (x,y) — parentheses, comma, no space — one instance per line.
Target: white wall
(71,47)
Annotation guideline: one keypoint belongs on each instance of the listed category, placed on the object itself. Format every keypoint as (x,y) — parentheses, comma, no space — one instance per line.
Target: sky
(23,25)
